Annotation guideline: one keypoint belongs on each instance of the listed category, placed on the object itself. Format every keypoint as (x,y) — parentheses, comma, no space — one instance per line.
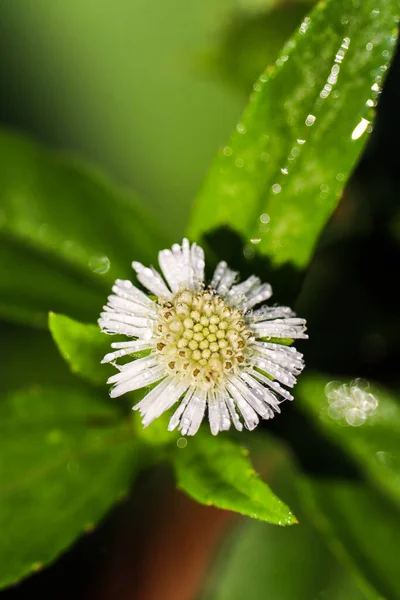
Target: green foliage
(256,558)
(65,234)
(216,471)
(83,346)
(281,174)
(374,444)
(252,39)
(66,459)
(361,528)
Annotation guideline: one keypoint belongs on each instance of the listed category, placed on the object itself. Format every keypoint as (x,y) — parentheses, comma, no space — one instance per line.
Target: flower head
(202,346)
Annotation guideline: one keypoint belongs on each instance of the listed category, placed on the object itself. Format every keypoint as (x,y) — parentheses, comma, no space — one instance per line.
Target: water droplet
(301,142)
(227,151)
(248,252)
(370,103)
(285,171)
(240,128)
(99,264)
(359,129)
(340,177)
(257,87)
(310,120)
(264,156)
(264,218)
(375,88)
(369,46)
(276,188)
(182,442)
(239,162)
(255,240)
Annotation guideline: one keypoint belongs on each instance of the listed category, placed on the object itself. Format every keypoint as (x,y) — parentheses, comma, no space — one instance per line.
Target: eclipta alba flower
(202,346)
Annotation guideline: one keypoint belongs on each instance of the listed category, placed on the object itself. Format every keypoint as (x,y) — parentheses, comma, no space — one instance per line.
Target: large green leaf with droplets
(65,234)
(282,172)
(216,471)
(67,457)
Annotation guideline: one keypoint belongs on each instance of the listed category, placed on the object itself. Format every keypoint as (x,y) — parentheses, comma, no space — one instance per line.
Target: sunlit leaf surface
(282,172)
(216,471)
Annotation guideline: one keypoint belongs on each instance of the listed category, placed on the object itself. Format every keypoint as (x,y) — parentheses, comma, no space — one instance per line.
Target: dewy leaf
(361,528)
(367,428)
(217,472)
(281,174)
(66,459)
(71,226)
(253,563)
(83,346)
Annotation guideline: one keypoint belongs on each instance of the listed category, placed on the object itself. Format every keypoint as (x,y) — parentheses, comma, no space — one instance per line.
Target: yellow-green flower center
(201,338)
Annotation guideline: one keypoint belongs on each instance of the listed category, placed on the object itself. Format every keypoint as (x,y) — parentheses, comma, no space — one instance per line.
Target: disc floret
(201,338)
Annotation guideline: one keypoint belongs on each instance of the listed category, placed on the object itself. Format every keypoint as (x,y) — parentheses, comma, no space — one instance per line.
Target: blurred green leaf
(66,459)
(216,471)
(83,346)
(281,174)
(66,234)
(252,39)
(30,284)
(361,528)
(373,439)
(30,359)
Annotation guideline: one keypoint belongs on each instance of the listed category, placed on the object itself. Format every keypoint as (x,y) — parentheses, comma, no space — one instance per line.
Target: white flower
(204,347)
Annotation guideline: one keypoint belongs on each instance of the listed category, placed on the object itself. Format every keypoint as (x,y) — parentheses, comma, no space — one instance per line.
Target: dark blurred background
(148,92)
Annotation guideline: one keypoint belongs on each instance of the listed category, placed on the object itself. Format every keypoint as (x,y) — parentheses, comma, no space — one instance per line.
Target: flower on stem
(204,347)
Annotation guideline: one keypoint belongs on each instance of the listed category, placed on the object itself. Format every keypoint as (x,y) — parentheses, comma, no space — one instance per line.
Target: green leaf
(83,346)
(254,561)
(67,458)
(30,284)
(361,528)
(251,39)
(216,471)
(67,233)
(281,174)
(373,443)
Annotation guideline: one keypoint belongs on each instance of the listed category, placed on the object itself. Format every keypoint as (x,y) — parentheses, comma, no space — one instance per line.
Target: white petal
(126,348)
(170,395)
(125,289)
(218,273)
(266,313)
(258,294)
(152,280)
(255,400)
(261,391)
(183,265)
(152,395)
(133,368)
(226,281)
(198,264)
(176,417)
(112,325)
(277,372)
(293,328)
(232,412)
(144,379)
(130,307)
(274,385)
(249,414)
(194,413)
(239,293)
(284,356)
